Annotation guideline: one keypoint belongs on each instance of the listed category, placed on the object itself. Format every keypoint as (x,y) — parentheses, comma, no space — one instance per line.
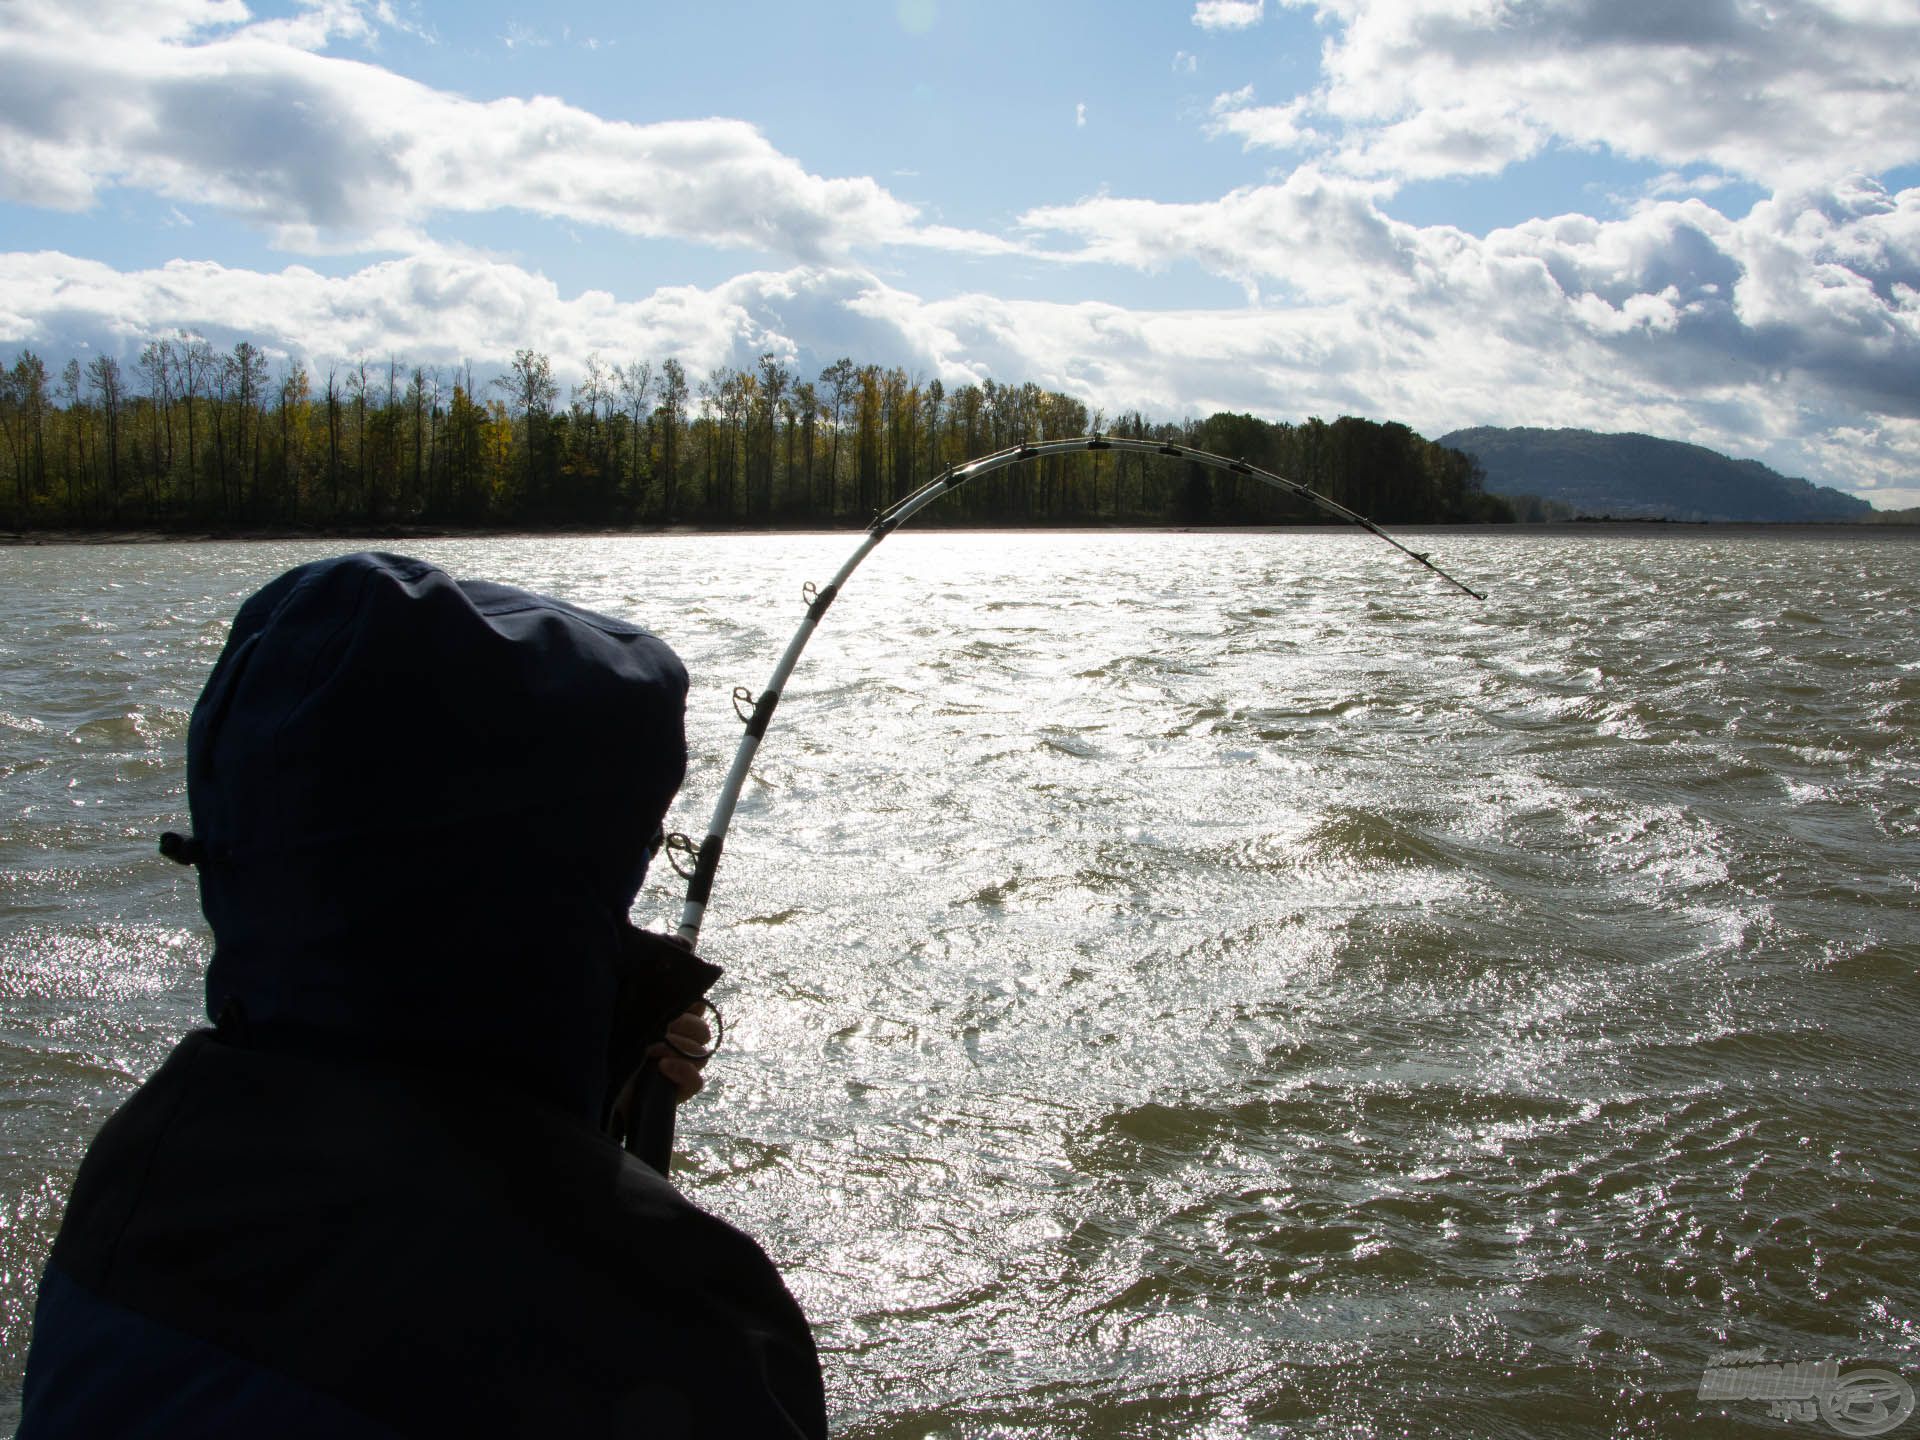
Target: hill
(1639,476)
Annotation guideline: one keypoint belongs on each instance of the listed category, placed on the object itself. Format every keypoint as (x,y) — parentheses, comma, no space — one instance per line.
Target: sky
(1691,218)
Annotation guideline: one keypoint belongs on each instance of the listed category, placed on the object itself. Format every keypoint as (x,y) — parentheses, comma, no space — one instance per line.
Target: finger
(663,1051)
(684,1075)
(690,1031)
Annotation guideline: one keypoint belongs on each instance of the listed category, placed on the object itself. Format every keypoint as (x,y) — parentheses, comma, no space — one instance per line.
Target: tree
(66,448)
(530,391)
(76,434)
(23,411)
(103,374)
(932,399)
(790,417)
(294,412)
(839,382)
(220,377)
(636,386)
(867,420)
(156,369)
(196,367)
(673,404)
(595,390)
(897,405)
(333,441)
(465,449)
(773,381)
(806,401)
(727,398)
(419,413)
(248,370)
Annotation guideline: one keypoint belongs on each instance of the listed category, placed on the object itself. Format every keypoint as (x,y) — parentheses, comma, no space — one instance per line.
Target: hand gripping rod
(657,1103)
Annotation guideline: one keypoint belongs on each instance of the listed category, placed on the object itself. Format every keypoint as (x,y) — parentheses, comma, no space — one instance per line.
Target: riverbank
(380,533)
(386,534)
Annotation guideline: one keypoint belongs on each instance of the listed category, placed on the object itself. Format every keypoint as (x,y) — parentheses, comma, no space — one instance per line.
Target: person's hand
(684,1059)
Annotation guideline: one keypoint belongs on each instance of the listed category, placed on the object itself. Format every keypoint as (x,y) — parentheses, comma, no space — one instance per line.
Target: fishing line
(757,718)
(757,714)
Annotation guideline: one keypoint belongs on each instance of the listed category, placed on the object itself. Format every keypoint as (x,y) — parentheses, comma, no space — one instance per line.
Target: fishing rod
(652,1135)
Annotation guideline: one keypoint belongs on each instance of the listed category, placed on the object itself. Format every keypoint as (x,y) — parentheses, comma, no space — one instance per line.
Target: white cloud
(1787,93)
(1792,334)
(1185,62)
(438,307)
(1080,115)
(320,22)
(1312,235)
(1674,183)
(1273,127)
(1799,319)
(1227,14)
(330,153)
(127,20)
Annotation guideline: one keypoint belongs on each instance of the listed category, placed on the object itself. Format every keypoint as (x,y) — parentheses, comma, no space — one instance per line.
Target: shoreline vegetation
(191,441)
(407,534)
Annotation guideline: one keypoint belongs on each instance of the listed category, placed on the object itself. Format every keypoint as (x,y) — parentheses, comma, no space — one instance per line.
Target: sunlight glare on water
(1183,984)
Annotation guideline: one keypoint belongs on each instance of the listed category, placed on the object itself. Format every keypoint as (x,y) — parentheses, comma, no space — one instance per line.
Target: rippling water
(1182,984)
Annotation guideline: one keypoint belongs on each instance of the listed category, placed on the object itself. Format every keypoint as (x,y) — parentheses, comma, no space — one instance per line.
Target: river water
(1178,984)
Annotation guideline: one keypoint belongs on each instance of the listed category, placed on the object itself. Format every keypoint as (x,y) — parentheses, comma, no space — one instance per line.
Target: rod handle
(650,1127)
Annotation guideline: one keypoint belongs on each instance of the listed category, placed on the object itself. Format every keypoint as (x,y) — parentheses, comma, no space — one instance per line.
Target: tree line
(188,437)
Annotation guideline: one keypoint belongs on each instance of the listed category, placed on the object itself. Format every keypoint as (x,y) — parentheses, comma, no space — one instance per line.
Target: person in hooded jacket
(378,1196)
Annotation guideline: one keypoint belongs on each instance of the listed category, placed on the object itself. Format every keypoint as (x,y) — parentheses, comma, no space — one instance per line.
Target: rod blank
(659,1136)
(889,520)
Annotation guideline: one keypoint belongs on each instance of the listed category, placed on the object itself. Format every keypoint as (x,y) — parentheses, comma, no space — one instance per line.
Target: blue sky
(1695,219)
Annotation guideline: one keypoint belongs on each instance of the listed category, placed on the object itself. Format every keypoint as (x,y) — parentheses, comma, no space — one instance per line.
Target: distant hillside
(1639,476)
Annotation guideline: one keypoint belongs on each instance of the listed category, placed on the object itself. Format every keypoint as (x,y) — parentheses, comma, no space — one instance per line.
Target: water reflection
(1184,984)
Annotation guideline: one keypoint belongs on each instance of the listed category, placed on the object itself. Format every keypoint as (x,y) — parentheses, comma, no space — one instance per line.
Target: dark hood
(424,808)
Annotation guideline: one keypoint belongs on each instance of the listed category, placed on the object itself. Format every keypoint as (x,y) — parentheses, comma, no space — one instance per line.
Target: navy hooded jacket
(375,1199)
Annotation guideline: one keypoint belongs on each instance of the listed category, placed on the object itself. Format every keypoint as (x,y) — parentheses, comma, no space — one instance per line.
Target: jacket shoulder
(432,1252)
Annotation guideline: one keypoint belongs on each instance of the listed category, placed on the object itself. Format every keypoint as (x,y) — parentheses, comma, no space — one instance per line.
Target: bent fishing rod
(651,1137)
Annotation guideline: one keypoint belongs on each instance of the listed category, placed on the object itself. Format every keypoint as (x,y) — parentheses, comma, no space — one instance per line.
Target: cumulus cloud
(1792,334)
(435,307)
(329,153)
(318,23)
(1310,235)
(1675,318)
(1273,127)
(1788,93)
(133,20)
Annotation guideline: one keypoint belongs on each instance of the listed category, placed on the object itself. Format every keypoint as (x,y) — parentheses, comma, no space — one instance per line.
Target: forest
(193,439)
